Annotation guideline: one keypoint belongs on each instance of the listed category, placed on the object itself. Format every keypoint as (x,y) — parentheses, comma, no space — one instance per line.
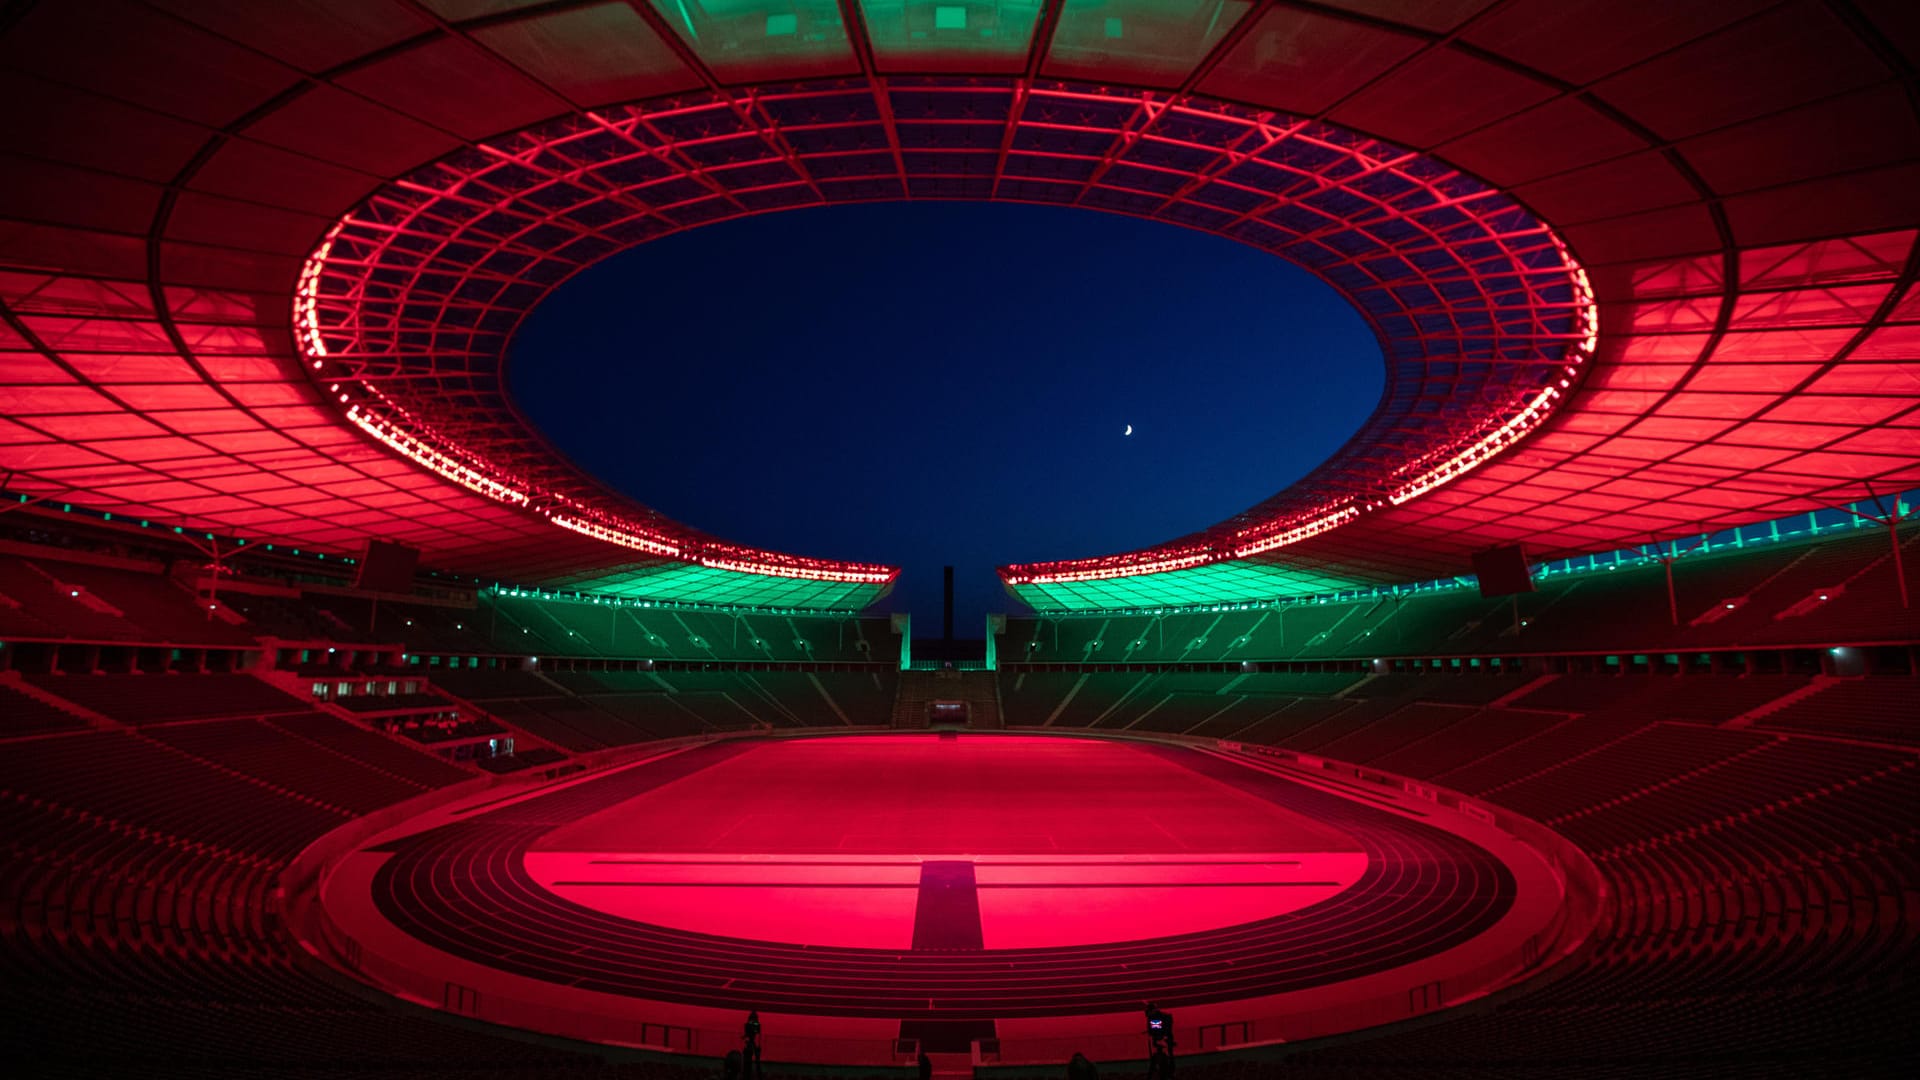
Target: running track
(463,888)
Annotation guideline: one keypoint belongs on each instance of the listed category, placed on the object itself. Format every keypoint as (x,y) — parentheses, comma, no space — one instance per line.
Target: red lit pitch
(820,842)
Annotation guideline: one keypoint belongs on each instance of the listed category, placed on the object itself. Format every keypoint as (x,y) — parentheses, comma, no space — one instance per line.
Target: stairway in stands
(917,690)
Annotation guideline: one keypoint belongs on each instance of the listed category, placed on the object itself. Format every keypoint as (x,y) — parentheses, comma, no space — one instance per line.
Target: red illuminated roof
(1735,183)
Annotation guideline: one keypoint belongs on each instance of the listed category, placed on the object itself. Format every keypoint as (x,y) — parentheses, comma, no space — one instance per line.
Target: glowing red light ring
(488,185)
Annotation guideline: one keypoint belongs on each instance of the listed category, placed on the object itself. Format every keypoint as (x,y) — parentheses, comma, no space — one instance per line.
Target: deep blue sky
(934,383)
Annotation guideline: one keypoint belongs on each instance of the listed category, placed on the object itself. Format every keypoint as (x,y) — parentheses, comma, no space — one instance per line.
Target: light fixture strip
(440,463)
(616,536)
(756,566)
(478,479)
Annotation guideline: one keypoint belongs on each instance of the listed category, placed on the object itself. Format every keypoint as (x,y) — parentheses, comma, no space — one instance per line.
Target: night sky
(932,383)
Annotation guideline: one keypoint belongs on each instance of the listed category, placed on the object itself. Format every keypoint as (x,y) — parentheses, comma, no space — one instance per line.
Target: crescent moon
(1129,429)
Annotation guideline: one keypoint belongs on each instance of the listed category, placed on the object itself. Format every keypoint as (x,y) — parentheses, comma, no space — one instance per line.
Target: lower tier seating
(370,748)
(1880,709)
(256,749)
(1765,883)
(138,921)
(23,714)
(584,710)
(158,699)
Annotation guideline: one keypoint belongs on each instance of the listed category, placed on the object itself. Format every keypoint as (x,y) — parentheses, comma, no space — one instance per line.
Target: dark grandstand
(1644,277)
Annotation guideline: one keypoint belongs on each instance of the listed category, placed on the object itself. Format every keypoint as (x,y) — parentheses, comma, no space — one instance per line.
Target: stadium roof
(1638,269)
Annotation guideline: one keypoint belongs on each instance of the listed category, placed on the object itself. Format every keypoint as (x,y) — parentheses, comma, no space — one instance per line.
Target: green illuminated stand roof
(686,583)
(1214,583)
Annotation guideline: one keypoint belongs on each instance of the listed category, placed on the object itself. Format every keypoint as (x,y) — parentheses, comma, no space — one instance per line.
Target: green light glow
(985,36)
(1155,42)
(689,583)
(1241,581)
(742,39)
(1251,584)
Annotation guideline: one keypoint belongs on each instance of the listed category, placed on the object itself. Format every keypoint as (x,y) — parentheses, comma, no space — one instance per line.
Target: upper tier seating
(307,618)
(551,627)
(422,626)
(54,599)
(1774,590)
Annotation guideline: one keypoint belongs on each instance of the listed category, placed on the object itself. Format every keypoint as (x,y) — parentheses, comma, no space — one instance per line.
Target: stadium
(1561,723)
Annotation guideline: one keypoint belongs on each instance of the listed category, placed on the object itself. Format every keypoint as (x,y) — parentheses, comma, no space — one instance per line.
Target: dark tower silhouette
(946,618)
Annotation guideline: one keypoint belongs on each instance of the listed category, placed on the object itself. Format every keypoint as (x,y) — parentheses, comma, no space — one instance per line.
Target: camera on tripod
(1159,1043)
